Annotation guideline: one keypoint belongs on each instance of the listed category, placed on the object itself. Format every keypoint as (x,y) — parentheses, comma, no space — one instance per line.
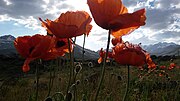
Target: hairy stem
(70,57)
(127,87)
(103,68)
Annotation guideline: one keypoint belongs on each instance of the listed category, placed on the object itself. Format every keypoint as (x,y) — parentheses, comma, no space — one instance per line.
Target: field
(155,85)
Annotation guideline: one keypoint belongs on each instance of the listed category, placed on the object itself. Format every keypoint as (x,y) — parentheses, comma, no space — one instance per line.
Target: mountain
(6,45)
(7,38)
(163,48)
(7,48)
(88,55)
(159,49)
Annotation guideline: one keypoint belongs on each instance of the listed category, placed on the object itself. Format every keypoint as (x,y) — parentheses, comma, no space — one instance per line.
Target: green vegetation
(144,85)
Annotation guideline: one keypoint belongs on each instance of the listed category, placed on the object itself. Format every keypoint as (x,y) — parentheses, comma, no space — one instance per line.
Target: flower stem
(70,57)
(103,68)
(83,48)
(82,76)
(127,87)
(74,75)
(50,80)
(37,79)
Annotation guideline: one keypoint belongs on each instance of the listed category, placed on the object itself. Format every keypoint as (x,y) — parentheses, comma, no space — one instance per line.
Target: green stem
(82,77)
(74,75)
(127,87)
(50,76)
(75,89)
(70,57)
(103,68)
(37,79)
(83,48)
(54,70)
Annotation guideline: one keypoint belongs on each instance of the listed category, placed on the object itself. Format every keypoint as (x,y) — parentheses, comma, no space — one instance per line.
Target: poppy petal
(44,24)
(128,20)
(69,24)
(44,44)
(26,67)
(103,11)
(22,46)
(123,32)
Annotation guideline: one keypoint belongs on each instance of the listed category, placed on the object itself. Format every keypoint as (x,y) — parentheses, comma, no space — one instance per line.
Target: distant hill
(163,48)
(7,48)
(6,45)
(88,55)
(159,49)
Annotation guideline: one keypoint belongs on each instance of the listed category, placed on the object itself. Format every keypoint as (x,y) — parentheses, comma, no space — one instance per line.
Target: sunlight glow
(7,2)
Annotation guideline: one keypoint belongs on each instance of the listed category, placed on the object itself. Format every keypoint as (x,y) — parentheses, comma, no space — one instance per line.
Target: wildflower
(114,41)
(149,61)
(59,49)
(160,74)
(36,47)
(172,66)
(102,55)
(129,54)
(112,14)
(69,24)
(162,67)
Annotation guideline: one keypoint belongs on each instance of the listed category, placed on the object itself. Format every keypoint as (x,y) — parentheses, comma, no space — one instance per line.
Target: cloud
(162,24)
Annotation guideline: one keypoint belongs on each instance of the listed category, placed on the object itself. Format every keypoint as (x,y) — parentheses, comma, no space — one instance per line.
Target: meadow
(155,85)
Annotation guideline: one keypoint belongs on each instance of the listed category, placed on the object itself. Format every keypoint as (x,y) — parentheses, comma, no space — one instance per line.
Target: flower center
(60,44)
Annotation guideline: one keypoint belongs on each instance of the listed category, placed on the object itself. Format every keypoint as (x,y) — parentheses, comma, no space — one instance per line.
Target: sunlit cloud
(162,17)
(7,2)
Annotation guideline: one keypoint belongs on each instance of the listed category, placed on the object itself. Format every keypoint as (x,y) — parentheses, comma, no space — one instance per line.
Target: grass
(151,88)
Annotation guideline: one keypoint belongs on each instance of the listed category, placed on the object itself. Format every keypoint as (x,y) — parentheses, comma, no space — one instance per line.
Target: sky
(20,18)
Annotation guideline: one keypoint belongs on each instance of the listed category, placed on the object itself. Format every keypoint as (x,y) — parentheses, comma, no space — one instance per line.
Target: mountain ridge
(158,49)
(7,48)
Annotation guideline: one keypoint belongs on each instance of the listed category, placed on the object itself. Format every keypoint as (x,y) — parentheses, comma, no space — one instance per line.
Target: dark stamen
(60,44)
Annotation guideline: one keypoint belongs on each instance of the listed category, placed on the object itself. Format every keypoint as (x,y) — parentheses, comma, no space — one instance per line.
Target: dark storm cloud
(158,19)
(25,8)
(20,8)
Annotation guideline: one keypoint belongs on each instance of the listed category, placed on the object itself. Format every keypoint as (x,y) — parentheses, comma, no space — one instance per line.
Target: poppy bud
(78,82)
(48,99)
(78,68)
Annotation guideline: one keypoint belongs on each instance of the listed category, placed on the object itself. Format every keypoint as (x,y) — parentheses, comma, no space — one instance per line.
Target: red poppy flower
(112,14)
(102,55)
(162,67)
(37,47)
(114,41)
(129,54)
(149,61)
(171,66)
(69,24)
(160,74)
(59,49)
